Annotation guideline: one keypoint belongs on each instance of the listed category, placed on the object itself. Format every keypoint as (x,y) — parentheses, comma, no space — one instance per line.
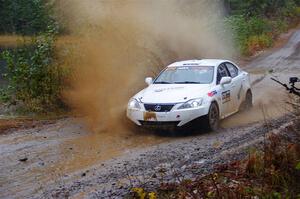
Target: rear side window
(233,70)
(222,72)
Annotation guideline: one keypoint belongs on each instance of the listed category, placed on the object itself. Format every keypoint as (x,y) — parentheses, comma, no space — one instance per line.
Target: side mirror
(225,80)
(149,80)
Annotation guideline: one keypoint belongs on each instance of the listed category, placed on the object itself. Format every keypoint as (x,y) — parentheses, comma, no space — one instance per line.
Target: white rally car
(208,89)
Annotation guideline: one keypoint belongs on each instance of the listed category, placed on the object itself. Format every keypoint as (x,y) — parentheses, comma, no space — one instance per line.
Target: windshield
(186,75)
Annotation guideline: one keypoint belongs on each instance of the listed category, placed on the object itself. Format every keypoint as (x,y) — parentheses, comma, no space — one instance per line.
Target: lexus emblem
(157,108)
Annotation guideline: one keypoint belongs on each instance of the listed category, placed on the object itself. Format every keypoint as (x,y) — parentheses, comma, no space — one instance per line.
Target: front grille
(159,107)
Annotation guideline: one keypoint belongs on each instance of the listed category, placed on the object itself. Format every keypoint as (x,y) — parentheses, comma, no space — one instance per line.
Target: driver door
(237,86)
(227,104)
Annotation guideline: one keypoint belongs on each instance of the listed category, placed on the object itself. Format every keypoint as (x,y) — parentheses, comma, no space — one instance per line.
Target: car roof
(198,62)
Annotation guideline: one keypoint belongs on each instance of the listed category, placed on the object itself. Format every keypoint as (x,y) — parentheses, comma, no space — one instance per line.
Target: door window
(222,72)
(234,71)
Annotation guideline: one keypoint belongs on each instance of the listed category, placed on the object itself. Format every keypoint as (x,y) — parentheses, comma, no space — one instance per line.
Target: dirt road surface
(62,159)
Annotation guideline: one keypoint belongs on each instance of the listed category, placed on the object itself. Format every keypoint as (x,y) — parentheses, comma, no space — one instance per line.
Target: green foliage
(256,23)
(5,96)
(34,75)
(258,42)
(262,7)
(25,17)
(251,34)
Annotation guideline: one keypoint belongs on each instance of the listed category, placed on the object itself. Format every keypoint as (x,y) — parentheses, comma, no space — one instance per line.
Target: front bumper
(175,117)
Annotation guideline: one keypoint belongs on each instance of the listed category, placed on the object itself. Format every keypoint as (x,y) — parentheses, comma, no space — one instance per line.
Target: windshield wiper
(188,82)
(162,82)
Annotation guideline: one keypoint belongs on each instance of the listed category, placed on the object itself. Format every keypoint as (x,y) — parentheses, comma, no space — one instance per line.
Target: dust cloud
(269,102)
(120,42)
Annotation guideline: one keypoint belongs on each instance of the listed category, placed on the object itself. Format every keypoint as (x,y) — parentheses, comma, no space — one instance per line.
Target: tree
(25,17)
(260,7)
(34,74)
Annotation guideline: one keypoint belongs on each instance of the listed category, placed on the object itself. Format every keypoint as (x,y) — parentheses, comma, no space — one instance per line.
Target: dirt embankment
(8,125)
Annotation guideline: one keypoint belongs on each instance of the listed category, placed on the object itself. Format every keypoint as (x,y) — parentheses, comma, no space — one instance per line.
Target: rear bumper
(173,118)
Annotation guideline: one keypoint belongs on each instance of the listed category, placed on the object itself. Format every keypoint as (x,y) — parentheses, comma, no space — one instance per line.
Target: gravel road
(63,159)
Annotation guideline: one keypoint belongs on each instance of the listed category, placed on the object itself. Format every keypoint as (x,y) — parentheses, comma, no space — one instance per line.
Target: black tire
(248,103)
(212,119)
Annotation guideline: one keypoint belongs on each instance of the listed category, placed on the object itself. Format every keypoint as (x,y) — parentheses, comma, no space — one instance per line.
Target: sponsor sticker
(183,68)
(212,93)
(226,96)
(168,89)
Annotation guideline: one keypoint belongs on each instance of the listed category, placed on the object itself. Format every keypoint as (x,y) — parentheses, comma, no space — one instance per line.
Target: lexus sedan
(185,91)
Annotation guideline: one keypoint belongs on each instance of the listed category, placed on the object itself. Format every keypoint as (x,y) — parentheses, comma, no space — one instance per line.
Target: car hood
(172,93)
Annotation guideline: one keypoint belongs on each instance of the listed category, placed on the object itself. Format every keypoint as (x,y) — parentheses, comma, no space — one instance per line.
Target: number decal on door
(226,96)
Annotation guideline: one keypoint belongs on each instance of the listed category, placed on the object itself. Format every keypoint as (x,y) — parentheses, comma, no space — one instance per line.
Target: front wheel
(212,119)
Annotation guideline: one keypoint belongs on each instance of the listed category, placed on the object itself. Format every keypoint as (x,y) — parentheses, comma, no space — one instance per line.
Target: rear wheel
(212,119)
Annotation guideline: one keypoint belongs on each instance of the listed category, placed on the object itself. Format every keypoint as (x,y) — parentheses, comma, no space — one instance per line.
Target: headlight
(133,104)
(194,103)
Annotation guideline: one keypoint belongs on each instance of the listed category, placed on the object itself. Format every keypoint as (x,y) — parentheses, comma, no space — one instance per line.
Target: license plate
(150,116)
